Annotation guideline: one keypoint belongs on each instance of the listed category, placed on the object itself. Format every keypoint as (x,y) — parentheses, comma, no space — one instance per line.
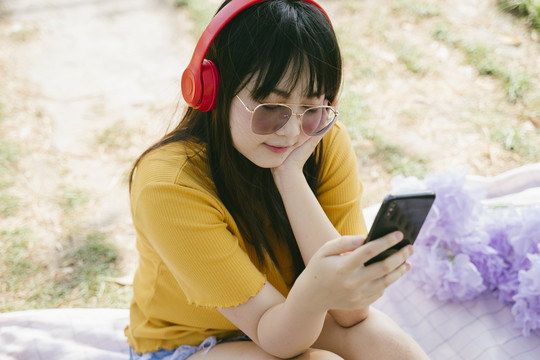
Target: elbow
(347,319)
(286,356)
(348,323)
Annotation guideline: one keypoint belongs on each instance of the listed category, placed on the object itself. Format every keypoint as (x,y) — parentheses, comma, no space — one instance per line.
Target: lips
(277,149)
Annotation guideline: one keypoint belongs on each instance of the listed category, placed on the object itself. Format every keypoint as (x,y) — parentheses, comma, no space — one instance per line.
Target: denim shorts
(184,351)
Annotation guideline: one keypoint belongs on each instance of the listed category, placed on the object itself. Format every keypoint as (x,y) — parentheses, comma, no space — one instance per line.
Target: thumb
(342,245)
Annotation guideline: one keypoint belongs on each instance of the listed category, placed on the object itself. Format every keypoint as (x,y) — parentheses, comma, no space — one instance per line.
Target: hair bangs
(293,51)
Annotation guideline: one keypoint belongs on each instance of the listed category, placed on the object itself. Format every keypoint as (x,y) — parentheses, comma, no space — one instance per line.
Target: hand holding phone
(405,213)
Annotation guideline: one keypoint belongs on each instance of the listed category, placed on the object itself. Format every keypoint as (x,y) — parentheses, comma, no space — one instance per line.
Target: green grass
(90,263)
(82,277)
(73,199)
(442,32)
(23,33)
(354,113)
(8,156)
(355,110)
(201,12)
(410,56)
(76,274)
(395,161)
(9,204)
(358,62)
(516,140)
(417,9)
(515,84)
(116,136)
(529,9)
(511,134)
(16,266)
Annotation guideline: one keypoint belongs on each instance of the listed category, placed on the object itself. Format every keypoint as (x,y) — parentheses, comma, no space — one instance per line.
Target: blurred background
(87,85)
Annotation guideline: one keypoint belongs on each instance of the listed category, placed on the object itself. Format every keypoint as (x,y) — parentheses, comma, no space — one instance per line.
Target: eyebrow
(284,94)
(281,93)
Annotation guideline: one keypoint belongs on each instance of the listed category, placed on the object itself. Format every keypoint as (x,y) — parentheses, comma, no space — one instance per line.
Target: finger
(314,140)
(375,247)
(389,264)
(312,143)
(393,276)
(342,245)
(303,152)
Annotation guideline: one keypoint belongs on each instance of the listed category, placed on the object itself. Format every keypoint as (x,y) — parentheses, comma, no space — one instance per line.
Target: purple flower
(485,258)
(448,237)
(459,207)
(514,234)
(452,278)
(465,249)
(526,309)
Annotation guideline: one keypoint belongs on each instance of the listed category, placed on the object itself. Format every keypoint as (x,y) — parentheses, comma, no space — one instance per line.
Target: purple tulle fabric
(466,249)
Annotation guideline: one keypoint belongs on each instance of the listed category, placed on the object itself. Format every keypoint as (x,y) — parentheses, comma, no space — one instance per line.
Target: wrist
(288,180)
(307,293)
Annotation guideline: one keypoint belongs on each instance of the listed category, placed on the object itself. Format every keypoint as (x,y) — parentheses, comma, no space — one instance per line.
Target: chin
(265,159)
(269,163)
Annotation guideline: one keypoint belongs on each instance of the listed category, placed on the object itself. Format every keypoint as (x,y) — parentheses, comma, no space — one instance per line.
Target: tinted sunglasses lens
(267,119)
(317,120)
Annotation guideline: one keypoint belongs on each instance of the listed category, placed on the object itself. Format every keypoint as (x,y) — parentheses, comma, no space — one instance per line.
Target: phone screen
(405,213)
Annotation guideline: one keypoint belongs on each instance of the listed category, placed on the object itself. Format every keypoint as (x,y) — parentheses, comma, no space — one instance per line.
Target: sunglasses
(268,118)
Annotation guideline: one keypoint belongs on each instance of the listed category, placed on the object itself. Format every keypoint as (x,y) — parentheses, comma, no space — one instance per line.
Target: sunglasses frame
(298,116)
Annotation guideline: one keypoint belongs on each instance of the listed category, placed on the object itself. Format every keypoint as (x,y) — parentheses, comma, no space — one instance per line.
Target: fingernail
(398,235)
(411,250)
(407,266)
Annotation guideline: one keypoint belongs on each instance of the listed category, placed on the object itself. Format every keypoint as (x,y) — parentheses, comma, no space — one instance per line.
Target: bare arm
(310,225)
(286,327)
(283,328)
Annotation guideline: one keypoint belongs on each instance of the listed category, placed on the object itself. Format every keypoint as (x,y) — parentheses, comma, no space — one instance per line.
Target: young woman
(248,217)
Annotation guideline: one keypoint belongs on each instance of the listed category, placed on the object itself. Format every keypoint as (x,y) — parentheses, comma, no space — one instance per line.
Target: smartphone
(405,213)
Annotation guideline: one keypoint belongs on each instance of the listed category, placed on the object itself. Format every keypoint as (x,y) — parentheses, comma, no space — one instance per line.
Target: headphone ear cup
(191,87)
(210,81)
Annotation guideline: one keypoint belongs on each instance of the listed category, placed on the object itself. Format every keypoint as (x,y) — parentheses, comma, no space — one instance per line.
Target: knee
(388,340)
(317,354)
(395,344)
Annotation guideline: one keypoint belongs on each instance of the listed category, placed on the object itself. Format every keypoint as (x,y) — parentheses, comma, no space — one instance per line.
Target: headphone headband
(200,80)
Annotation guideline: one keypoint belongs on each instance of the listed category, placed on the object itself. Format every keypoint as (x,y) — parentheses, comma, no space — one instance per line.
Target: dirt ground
(85,86)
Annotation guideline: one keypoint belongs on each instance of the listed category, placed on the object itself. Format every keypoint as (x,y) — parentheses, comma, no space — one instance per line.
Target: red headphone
(200,80)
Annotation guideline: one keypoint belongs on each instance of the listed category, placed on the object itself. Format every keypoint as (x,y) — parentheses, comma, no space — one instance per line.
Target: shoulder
(337,145)
(339,165)
(176,164)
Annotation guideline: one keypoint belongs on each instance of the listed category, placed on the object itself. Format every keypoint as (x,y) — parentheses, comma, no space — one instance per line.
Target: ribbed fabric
(192,256)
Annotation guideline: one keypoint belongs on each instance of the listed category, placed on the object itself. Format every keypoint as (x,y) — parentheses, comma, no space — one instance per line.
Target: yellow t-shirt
(192,258)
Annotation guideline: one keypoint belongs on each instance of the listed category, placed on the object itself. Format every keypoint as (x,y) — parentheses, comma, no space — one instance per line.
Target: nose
(293,126)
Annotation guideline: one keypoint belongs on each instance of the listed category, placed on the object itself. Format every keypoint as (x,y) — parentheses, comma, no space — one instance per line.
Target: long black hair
(261,45)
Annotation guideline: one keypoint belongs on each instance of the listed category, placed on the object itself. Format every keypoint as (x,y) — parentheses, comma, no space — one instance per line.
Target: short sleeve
(340,189)
(189,231)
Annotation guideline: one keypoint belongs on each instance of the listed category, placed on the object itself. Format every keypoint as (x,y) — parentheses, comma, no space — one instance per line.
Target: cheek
(242,136)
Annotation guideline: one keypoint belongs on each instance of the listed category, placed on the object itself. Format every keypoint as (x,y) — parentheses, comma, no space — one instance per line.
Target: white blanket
(71,334)
(478,329)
